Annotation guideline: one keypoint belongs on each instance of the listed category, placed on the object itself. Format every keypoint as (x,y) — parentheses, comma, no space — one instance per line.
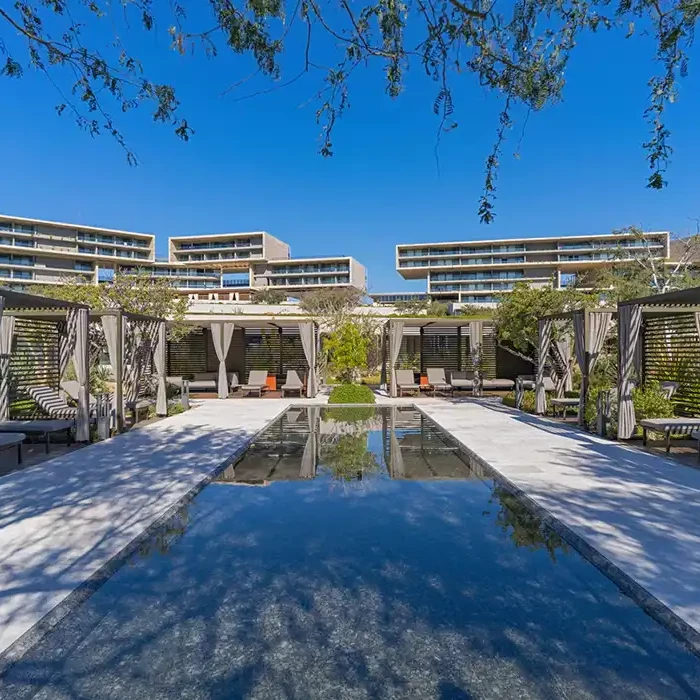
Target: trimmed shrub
(351,393)
(650,402)
(528,404)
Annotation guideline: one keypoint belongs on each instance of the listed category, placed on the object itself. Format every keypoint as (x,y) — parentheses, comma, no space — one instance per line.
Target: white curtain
(159,356)
(66,341)
(308,458)
(395,336)
(545,339)
(7,331)
(564,381)
(580,352)
(221,334)
(397,469)
(81,360)
(308,343)
(630,324)
(476,329)
(697,320)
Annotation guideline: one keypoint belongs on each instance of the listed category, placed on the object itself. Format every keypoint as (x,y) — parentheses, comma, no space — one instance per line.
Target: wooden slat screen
(672,352)
(274,351)
(34,362)
(189,355)
(440,349)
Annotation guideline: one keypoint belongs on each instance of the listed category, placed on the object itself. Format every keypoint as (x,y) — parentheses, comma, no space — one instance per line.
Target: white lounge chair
(257,381)
(462,380)
(292,383)
(437,381)
(405,381)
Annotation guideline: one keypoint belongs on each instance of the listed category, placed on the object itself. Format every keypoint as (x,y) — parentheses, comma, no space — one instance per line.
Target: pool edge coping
(683,631)
(79,595)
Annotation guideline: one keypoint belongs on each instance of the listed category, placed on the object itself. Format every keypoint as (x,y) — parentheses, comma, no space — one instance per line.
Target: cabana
(132,340)
(60,332)
(590,331)
(223,344)
(659,340)
(452,343)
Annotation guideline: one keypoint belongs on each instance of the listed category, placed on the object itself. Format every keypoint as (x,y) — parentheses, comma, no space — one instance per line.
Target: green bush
(528,403)
(351,393)
(650,402)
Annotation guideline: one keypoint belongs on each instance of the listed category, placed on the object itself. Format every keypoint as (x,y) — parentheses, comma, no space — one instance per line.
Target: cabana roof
(436,322)
(682,299)
(247,321)
(18,301)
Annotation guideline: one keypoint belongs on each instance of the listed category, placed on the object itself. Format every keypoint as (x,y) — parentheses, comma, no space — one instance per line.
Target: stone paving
(62,520)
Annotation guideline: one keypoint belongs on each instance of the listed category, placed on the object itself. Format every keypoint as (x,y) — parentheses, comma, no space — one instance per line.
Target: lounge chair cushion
(498,384)
(51,402)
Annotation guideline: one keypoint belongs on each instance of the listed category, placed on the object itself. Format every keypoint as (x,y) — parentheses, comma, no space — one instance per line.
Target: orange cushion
(423,380)
(271,383)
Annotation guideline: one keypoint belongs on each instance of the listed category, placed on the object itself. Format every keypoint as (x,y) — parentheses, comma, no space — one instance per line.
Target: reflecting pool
(355,553)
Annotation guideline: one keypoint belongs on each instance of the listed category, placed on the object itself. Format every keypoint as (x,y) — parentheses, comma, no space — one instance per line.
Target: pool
(355,553)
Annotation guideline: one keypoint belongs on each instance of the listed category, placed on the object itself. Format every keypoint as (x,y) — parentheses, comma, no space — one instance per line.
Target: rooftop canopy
(681,298)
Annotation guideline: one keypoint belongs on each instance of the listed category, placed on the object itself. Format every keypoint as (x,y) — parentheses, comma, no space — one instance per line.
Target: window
(24,228)
(105,251)
(83,266)
(22,274)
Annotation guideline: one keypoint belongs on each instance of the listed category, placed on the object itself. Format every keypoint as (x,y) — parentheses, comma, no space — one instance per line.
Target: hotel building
(228,266)
(477,272)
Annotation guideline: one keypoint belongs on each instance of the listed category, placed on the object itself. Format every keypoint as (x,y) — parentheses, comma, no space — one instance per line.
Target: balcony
(236,283)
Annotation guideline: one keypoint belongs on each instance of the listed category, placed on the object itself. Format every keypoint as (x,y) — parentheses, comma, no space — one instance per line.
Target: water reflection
(377,563)
(350,444)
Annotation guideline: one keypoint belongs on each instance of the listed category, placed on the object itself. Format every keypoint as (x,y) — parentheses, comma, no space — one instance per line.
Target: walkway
(640,511)
(65,518)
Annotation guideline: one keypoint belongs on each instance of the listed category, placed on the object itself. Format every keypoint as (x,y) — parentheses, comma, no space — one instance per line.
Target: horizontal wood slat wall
(672,352)
(443,348)
(34,362)
(276,353)
(188,355)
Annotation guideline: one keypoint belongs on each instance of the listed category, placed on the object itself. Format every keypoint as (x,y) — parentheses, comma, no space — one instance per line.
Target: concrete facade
(477,272)
(225,267)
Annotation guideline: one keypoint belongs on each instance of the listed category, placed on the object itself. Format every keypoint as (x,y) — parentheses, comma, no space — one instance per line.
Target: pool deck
(62,520)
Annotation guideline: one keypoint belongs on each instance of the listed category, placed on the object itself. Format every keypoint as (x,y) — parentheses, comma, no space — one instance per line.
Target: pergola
(73,343)
(590,330)
(635,317)
(131,340)
(222,327)
(394,329)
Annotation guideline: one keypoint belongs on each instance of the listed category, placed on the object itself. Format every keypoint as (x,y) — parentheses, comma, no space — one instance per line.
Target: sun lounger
(670,426)
(39,427)
(257,381)
(669,388)
(51,402)
(528,383)
(497,384)
(405,381)
(292,383)
(8,440)
(462,380)
(437,381)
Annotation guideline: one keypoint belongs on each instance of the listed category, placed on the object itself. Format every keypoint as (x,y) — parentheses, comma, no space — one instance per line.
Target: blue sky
(254,165)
